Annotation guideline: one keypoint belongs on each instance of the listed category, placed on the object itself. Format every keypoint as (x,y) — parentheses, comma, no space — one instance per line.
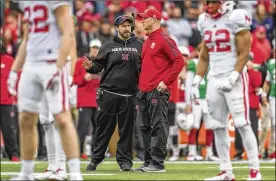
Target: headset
(131,18)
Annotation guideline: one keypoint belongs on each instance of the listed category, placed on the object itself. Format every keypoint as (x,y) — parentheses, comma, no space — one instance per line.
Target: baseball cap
(122,19)
(153,13)
(95,43)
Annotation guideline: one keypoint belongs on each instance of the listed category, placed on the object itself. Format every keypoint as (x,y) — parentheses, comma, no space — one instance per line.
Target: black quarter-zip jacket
(121,62)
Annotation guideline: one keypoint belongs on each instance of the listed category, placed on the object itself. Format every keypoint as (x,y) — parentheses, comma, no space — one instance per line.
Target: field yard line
(246,167)
(139,162)
(84,174)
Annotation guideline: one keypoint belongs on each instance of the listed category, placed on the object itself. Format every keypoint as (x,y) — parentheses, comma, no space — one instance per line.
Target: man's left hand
(162,87)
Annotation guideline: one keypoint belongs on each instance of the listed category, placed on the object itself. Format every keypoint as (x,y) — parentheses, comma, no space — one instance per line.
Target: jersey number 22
(220,43)
(39,22)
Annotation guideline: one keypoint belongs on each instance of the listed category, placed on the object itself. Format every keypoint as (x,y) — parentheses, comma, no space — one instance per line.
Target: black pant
(112,109)
(8,127)
(138,139)
(255,126)
(155,126)
(42,152)
(87,115)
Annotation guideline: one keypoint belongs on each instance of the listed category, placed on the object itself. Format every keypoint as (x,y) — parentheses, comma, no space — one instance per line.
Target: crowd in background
(95,22)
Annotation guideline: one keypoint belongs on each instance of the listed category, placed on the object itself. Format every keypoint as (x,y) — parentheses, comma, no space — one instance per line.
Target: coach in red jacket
(161,64)
(8,121)
(86,96)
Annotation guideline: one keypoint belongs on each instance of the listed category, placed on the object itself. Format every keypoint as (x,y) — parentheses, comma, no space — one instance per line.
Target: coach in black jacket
(120,60)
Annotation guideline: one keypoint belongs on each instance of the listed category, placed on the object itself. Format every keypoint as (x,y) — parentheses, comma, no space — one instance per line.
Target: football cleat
(223,175)
(59,175)
(194,158)
(254,175)
(23,176)
(45,175)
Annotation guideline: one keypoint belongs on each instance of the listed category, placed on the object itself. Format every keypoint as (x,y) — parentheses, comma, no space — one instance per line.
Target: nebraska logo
(125,57)
(247,19)
(152,45)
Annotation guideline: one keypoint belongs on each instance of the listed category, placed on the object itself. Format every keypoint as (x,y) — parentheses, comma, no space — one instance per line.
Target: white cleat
(76,176)
(45,175)
(223,176)
(212,158)
(194,158)
(59,175)
(23,176)
(174,158)
(254,175)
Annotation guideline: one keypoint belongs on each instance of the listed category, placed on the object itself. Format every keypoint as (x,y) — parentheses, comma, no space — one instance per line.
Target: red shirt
(6,63)
(255,81)
(87,90)
(161,61)
(261,50)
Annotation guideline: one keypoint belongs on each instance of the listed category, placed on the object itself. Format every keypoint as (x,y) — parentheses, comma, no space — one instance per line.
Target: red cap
(153,13)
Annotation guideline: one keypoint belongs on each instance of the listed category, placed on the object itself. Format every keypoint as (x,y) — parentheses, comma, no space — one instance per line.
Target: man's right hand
(188,109)
(88,77)
(195,88)
(12,80)
(87,64)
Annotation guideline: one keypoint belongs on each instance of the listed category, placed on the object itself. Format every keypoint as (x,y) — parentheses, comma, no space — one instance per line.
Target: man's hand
(88,77)
(227,85)
(162,87)
(264,99)
(12,80)
(188,109)
(195,88)
(87,64)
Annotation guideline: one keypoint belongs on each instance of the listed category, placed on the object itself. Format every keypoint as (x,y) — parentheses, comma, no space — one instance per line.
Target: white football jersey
(219,37)
(44,34)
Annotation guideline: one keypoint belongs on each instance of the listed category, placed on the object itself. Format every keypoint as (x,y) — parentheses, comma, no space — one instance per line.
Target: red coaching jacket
(161,61)
(255,81)
(87,90)
(6,63)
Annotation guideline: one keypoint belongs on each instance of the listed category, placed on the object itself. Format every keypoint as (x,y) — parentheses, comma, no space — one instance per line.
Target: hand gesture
(87,64)
(161,87)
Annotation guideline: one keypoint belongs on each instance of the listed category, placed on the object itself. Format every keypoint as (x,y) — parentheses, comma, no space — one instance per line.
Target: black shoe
(152,168)
(140,168)
(125,168)
(91,167)
(237,158)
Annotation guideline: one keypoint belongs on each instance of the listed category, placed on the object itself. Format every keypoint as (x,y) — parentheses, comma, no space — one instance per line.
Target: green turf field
(178,170)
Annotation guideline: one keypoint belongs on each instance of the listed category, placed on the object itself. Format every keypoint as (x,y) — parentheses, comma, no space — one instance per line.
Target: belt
(124,95)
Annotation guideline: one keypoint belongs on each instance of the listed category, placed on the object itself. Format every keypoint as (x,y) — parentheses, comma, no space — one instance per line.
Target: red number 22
(40,20)
(219,41)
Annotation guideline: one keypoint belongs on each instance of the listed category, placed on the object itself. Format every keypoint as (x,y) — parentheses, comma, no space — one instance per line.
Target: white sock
(50,137)
(209,151)
(27,167)
(192,150)
(74,165)
(250,144)
(222,142)
(61,160)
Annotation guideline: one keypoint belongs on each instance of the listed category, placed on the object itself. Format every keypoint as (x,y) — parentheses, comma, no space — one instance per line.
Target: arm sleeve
(188,86)
(241,20)
(56,4)
(268,76)
(200,23)
(99,63)
(174,55)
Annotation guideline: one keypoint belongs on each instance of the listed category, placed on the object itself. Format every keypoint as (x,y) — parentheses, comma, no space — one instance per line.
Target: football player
(224,51)
(43,52)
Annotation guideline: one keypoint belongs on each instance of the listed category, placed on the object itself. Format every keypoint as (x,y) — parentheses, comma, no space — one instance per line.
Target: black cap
(122,19)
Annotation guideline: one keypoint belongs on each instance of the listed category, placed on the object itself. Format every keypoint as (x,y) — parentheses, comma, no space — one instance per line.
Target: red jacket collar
(154,33)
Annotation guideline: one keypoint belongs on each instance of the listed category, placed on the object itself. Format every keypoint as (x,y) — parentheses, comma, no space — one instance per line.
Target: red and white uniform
(219,36)
(42,52)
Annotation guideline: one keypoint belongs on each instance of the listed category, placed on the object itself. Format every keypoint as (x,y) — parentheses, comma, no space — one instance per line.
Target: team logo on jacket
(152,45)
(125,56)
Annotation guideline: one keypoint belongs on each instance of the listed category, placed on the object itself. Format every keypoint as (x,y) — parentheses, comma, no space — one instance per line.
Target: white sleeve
(268,76)
(241,20)
(200,21)
(55,4)
(188,86)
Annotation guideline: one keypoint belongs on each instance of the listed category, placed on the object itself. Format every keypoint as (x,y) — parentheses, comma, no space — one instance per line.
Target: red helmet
(224,7)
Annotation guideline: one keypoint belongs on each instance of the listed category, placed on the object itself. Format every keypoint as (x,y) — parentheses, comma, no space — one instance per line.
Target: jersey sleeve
(200,21)
(56,4)
(268,76)
(191,66)
(241,20)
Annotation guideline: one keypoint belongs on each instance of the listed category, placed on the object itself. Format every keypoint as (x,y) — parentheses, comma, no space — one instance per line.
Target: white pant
(32,89)
(221,103)
(201,111)
(272,110)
